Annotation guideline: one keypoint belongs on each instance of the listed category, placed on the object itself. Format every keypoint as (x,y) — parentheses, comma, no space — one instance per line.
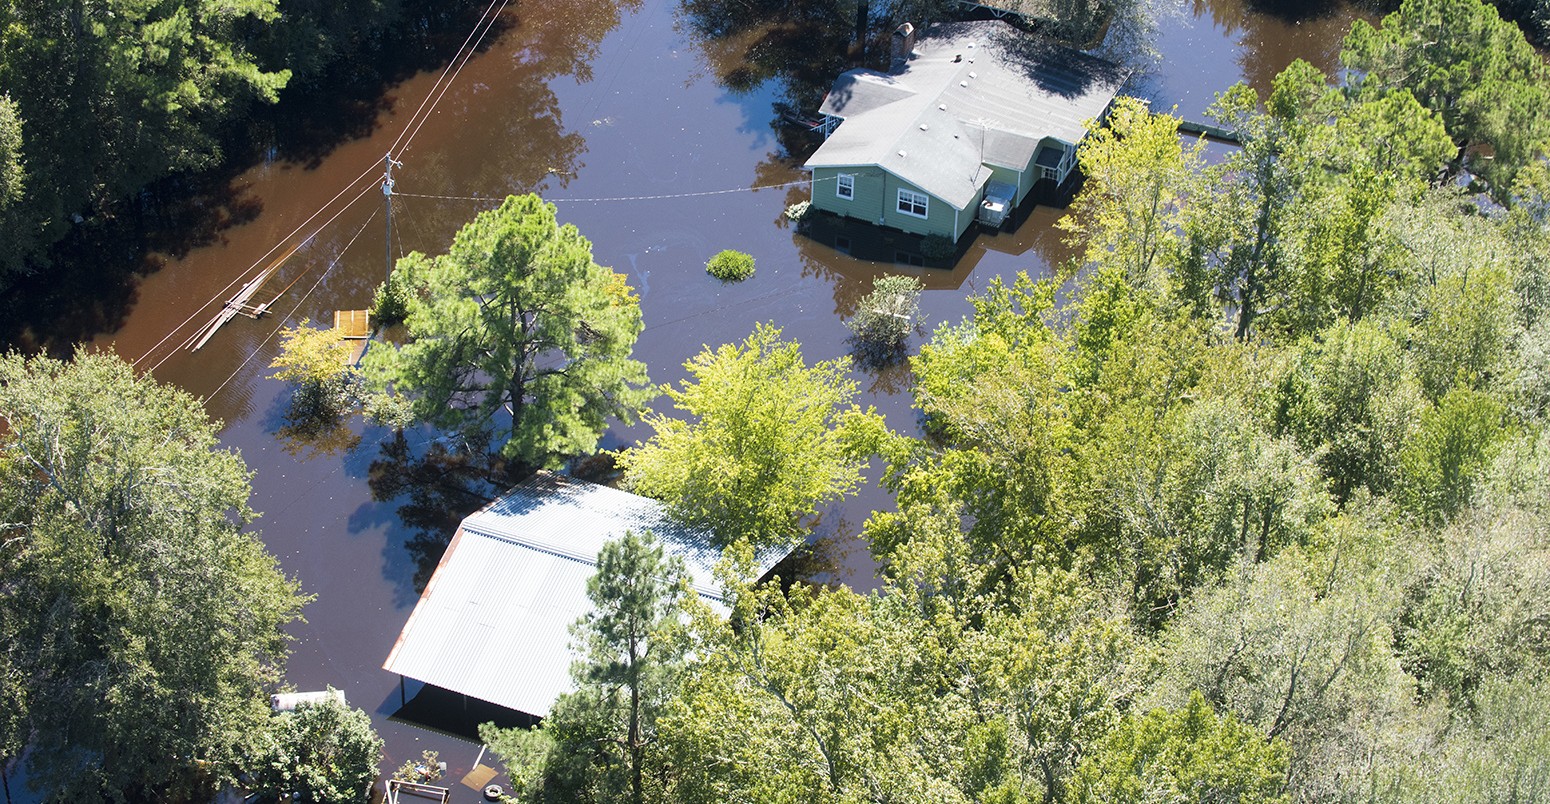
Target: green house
(973,118)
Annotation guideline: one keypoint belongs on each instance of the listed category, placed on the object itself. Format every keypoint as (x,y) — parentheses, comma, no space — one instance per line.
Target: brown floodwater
(586,102)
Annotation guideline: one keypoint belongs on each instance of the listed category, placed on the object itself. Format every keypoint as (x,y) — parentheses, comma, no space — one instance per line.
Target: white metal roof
(494,621)
(975,93)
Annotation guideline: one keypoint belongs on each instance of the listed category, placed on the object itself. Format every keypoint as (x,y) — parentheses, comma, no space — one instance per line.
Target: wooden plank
(353,324)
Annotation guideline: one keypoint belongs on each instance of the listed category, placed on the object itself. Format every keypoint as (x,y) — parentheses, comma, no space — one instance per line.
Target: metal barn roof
(494,621)
(975,93)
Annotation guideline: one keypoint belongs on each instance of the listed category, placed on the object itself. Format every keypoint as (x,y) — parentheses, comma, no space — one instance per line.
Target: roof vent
(901,153)
(941,107)
(972,75)
(963,83)
(922,126)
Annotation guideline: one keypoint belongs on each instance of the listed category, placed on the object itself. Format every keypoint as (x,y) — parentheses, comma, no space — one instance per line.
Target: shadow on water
(93,275)
(438,489)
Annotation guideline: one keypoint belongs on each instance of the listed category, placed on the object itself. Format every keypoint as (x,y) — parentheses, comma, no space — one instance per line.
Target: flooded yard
(621,117)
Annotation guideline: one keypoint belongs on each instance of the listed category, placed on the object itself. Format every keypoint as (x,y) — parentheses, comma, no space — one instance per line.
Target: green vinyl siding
(867,201)
(939,214)
(876,201)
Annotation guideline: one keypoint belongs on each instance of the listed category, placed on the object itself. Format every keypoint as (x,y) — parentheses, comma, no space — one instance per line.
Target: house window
(846,186)
(911,203)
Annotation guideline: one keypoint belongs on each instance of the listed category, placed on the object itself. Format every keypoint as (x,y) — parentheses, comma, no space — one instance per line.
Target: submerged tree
(144,626)
(516,335)
(885,318)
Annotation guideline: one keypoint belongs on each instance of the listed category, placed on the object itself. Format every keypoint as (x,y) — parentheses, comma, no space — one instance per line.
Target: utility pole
(387,195)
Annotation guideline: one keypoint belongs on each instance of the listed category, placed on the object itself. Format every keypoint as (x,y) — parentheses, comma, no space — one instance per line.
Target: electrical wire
(297,308)
(486,21)
(223,291)
(469,54)
(494,200)
(229,285)
(427,99)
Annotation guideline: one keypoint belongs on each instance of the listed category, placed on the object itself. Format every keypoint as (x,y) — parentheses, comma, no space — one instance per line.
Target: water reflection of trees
(438,488)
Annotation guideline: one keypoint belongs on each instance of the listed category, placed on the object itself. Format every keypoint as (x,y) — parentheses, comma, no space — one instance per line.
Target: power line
(443,75)
(294,310)
(486,21)
(495,200)
(466,56)
(223,291)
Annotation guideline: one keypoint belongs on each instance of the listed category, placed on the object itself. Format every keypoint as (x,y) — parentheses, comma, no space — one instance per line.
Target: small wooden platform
(398,791)
(354,326)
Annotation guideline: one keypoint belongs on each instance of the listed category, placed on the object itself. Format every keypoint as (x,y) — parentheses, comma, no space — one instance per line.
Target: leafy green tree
(1299,648)
(326,752)
(13,167)
(1460,59)
(1138,176)
(599,743)
(770,440)
(516,334)
(1348,398)
(316,360)
(1454,443)
(147,627)
(116,94)
(1191,754)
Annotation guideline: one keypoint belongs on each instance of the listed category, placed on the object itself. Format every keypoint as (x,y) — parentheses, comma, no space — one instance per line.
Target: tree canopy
(124,549)
(770,439)
(516,338)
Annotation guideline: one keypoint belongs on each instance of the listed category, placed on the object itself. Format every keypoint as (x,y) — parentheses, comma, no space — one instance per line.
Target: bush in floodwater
(730,266)
(938,247)
(885,319)
(390,304)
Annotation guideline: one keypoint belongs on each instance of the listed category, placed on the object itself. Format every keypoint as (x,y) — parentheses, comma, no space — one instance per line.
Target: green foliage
(1347,398)
(115,96)
(885,318)
(327,752)
(938,247)
(730,266)
(1454,442)
(769,441)
(599,743)
(13,166)
(125,547)
(1461,60)
(516,334)
(424,769)
(1187,755)
(390,303)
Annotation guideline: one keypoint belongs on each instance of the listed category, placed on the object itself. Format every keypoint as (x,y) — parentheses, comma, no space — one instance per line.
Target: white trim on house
(845,186)
(909,200)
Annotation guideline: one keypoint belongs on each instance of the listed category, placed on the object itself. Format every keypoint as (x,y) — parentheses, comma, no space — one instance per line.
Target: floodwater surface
(615,113)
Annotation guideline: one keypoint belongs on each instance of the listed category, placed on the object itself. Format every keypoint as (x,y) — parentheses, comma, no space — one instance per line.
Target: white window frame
(909,199)
(845,186)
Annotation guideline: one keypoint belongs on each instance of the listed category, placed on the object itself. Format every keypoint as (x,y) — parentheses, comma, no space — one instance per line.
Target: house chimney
(903,46)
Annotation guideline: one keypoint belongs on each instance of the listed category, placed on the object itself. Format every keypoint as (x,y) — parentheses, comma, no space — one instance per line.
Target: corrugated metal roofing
(976,93)
(494,621)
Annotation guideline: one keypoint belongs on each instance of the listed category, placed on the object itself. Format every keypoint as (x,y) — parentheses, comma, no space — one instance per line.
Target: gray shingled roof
(494,621)
(939,120)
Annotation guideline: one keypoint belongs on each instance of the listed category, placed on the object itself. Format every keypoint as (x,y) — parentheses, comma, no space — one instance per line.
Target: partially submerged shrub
(390,304)
(938,247)
(730,266)
(885,319)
